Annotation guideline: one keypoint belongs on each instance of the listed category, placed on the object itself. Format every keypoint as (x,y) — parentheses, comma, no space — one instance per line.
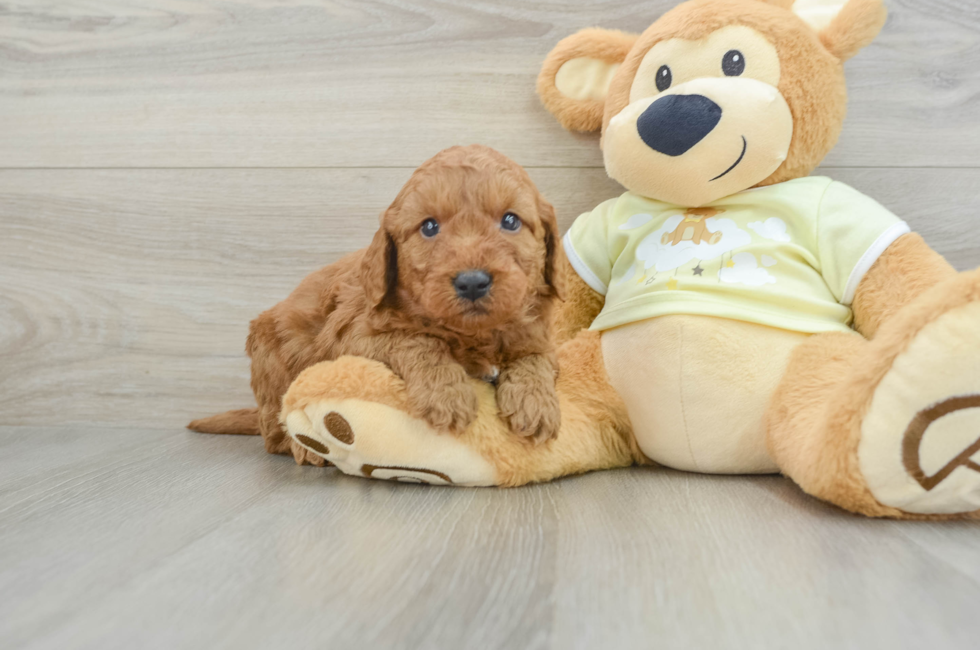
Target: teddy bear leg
(274,433)
(889,427)
(353,412)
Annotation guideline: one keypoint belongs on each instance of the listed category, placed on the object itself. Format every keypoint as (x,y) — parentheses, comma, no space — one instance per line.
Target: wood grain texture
(223,547)
(125,295)
(310,83)
(169,168)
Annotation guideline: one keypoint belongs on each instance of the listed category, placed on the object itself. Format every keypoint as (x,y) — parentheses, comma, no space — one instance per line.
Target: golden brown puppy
(459,279)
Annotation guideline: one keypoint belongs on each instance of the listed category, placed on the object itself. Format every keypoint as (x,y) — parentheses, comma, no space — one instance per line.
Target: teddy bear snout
(675,123)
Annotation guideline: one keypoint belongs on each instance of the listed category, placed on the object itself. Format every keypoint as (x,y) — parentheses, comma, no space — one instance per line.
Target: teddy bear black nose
(675,123)
(473,284)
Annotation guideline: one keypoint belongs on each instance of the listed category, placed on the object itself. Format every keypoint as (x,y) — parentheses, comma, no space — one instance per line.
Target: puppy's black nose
(675,123)
(473,284)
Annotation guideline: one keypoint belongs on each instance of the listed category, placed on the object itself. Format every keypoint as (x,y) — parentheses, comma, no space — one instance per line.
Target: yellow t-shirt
(789,255)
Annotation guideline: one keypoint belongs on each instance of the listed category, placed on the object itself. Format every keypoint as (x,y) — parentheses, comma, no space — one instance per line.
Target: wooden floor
(168,168)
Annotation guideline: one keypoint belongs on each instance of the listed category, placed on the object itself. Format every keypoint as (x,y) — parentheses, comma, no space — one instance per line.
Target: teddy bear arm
(581,305)
(906,270)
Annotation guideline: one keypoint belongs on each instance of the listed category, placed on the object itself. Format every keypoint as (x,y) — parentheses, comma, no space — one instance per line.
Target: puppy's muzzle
(675,123)
(473,284)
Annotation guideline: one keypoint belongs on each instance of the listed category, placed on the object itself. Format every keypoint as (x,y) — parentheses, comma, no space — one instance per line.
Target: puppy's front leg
(437,386)
(527,398)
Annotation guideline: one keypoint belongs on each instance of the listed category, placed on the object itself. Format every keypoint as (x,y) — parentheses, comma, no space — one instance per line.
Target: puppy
(459,280)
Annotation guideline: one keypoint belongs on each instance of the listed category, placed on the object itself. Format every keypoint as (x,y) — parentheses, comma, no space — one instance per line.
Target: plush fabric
(697,389)
(817,418)
(854,27)
(922,428)
(908,270)
(789,255)
(605,45)
(880,420)
(585,303)
(811,81)
(364,403)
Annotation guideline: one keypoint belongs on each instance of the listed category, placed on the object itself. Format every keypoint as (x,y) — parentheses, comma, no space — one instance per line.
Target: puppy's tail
(243,422)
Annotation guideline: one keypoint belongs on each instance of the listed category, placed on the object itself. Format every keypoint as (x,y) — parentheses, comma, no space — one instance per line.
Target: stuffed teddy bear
(728,313)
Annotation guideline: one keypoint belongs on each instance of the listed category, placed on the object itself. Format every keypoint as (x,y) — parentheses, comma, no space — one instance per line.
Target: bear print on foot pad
(920,443)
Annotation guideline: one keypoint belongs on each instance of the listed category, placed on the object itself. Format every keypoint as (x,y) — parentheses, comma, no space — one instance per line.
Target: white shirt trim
(580,267)
(871,256)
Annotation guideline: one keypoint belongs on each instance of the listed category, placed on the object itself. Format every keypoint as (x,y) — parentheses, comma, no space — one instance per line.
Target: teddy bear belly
(697,389)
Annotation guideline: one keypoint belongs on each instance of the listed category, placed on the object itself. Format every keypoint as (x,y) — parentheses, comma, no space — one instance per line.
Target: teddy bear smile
(745,146)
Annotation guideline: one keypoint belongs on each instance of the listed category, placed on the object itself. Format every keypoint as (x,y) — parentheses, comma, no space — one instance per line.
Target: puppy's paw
(530,408)
(448,407)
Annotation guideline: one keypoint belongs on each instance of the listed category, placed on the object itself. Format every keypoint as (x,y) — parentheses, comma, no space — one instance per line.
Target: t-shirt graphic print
(788,255)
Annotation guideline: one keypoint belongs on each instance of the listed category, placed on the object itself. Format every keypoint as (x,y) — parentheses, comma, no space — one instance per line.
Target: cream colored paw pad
(920,440)
(956,422)
(377,441)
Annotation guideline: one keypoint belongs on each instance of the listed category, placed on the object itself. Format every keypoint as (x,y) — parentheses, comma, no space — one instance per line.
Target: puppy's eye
(430,228)
(733,63)
(664,78)
(511,222)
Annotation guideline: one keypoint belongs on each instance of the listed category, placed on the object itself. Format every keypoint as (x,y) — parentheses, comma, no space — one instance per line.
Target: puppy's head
(468,243)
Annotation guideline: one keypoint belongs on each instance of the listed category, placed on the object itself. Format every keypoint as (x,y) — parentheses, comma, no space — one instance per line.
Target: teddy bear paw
(373,440)
(920,439)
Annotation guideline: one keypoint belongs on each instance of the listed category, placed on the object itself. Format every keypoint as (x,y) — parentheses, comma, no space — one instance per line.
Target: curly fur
(394,302)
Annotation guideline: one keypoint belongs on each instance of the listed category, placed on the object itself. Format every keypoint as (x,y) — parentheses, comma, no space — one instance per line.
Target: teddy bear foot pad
(920,440)
(373,440)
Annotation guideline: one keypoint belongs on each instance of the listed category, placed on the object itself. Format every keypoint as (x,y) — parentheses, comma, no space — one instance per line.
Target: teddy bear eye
(510,222)
(733,63)
(430,228)
(664,78)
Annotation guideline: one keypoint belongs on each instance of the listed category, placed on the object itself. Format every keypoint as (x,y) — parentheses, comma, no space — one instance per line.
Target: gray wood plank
(200,542)
(198,83)
(774,568)
(125,295)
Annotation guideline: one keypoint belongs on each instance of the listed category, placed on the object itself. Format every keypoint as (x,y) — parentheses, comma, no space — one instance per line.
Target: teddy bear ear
(844,26)
(576,75)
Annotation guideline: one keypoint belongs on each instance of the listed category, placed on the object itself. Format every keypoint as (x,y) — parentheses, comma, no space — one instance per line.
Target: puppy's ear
(845,26)
(379,269)
(576,75)
(552,248)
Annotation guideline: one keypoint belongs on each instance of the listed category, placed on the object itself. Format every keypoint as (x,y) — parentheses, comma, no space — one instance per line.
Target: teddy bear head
(716,96)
